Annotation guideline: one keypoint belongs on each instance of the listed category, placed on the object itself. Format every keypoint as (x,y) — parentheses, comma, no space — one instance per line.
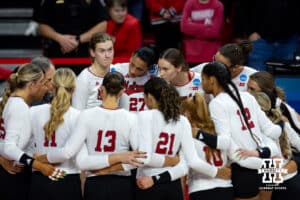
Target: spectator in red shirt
(125,30)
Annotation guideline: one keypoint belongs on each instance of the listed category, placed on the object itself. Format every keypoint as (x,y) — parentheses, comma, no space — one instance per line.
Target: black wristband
(162,178)
(207,138)
(26,160)
(264,152)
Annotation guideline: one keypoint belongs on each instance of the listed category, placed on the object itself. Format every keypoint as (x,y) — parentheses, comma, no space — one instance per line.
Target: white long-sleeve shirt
(133,97)
(16,118)
(200,182)
(103,131)
(285,161)
(293,136)
(229,122)
(240,80)
(87,93)
(157,136)
(191,87)
(39,117)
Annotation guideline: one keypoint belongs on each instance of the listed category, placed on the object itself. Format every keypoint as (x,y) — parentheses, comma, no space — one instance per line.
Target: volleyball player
(196,110)
(137,72)
(174,69)
(49,69)
(164,131)
(24,86)
(264,82)
(284,142)
(51,127)
(234,56)
(237,115)
(105,134)
(87,92)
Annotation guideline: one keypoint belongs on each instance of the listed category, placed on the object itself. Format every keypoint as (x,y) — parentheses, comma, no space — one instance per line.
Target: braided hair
(223,76)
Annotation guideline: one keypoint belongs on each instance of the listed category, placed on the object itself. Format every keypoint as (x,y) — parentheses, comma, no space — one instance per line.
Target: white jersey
(16,122)
(87,90)
(199,68)
(99,132)
(157,136)
(133,96)
(200,182)
(39,117)
(229,122)
(293,136)
(242,79)
(285,160)
(189,89)
(179,170)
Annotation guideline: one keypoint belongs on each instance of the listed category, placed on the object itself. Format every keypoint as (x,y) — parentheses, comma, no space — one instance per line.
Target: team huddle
(145,129)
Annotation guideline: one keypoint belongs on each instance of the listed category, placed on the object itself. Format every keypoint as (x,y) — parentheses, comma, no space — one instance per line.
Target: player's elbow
(80,163)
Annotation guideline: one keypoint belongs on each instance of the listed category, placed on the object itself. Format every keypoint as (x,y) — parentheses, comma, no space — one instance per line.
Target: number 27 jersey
(133,96)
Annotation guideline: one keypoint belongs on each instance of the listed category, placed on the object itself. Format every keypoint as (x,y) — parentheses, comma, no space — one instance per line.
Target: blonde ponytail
(64,83)
(26,73)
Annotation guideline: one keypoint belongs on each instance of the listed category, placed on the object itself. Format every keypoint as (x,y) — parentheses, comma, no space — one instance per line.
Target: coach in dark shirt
(67,25)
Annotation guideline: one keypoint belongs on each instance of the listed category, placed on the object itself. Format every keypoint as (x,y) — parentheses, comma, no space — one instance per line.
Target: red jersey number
(133,104)
(248,116)
(165,144)
(111,142)
(2,129)
(52,143)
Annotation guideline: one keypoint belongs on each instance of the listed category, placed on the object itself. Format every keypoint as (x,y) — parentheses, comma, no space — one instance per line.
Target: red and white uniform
(240,80)
(285,159)
(229,122)
(133,96)
(168,139)
(100,132)
(39,117)
(293,136)
(87,93)
(199,182)
(191,87)
(16,134)
(199,68)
